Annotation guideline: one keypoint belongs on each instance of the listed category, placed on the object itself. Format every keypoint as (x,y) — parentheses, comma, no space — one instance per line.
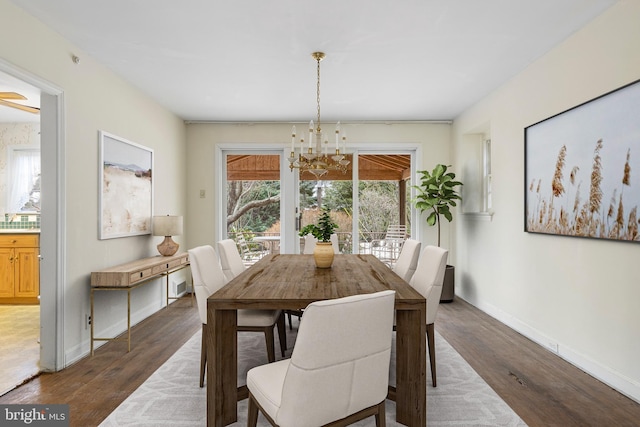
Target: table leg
(222,367)
(411,367)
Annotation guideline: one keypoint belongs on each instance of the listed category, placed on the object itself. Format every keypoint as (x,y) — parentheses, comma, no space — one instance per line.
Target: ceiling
(250,60)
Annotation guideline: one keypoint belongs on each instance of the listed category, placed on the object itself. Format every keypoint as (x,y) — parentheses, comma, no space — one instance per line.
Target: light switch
(202,194)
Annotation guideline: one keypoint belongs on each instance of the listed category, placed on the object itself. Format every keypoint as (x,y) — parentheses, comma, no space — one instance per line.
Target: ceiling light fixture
(316,159)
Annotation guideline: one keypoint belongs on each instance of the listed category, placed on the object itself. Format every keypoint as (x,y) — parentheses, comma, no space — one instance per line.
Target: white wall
(203,138)
(579,294)
(95,99)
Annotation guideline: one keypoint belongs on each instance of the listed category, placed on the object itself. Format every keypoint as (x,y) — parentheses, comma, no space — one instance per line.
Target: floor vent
(181,288)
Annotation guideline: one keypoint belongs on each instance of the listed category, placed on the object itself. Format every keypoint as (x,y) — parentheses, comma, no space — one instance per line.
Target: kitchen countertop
(20,231)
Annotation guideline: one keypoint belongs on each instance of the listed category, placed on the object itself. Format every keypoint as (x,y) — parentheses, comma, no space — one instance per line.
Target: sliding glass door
(267,204)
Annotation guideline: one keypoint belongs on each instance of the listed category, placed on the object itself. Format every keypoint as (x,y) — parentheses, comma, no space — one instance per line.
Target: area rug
(171,396)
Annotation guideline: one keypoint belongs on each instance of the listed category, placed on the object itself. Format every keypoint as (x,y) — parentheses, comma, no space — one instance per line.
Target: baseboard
(84,348)
(615,380)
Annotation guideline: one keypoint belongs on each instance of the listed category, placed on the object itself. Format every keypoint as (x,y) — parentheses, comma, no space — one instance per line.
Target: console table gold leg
(128,319)
(92,322)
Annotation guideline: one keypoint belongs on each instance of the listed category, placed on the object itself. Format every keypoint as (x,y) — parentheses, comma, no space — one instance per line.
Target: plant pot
(448,286)
(323,254)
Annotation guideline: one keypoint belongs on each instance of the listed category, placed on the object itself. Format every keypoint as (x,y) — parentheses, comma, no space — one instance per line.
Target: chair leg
(282,333)
(381,420)
(252,416)
(432,352)
(203,355)
(290,323)
(271,353)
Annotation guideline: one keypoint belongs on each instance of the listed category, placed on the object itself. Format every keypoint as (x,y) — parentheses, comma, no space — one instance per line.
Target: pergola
(372,167)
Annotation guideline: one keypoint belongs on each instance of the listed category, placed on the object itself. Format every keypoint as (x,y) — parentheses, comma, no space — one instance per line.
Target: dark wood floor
(542,388)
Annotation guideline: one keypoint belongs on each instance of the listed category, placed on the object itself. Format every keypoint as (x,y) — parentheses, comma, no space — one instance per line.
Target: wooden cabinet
(19,268)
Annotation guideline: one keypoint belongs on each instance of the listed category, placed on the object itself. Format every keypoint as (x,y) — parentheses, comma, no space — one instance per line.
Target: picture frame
(582,169)
(126,188)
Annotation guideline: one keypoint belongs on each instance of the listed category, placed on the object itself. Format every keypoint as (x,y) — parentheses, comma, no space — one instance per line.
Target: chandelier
(316,158)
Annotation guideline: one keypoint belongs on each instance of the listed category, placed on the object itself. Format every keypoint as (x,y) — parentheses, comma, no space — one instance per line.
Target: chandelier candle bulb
(310,132)
(326,144)
(293,139)
(337,136)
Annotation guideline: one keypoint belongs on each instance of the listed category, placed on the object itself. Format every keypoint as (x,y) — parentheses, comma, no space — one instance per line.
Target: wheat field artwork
(126,196)
(583,169)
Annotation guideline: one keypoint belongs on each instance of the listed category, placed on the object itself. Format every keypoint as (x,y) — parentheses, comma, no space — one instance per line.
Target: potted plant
(436,193)
(323,252)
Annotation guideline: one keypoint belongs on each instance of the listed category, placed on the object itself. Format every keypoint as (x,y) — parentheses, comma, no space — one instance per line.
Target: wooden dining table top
(288,281)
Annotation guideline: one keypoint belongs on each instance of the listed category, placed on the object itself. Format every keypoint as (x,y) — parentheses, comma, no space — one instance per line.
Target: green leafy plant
(436,194)
(323,229)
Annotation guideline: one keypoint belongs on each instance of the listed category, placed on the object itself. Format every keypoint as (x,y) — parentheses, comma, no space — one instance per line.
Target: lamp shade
(168,225)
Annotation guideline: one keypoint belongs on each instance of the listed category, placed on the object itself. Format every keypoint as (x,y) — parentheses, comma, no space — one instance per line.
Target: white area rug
(171,396)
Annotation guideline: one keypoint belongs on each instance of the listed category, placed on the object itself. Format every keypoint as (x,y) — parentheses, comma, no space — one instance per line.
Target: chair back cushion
(335,243)
(407,262)
(309,244)
(207,276)
(340,362)
(230,259)
(429,277)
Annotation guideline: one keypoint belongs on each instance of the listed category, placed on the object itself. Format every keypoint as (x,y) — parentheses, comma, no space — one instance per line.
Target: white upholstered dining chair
(309,244)
(428,280)
(230,259)
(207,279)
(407,262)
(335,243)
(339,370)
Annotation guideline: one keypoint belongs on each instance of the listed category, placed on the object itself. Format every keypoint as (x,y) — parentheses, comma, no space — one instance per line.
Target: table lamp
(167,226)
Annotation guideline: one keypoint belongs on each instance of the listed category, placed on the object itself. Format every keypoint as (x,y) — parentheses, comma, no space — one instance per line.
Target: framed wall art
(126,188)
(582,169)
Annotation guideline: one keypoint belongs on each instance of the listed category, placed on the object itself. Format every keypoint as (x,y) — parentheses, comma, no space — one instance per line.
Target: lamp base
(168,247)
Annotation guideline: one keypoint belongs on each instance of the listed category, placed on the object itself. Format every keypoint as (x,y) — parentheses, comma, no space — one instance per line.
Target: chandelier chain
(318,92)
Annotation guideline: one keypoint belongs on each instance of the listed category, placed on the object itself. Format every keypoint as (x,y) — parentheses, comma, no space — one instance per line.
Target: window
(24,180)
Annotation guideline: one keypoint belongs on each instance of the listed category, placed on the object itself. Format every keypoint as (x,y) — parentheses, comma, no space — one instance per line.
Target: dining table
(291,282)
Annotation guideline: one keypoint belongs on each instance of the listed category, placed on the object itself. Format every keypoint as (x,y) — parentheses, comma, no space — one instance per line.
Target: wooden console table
(125,277)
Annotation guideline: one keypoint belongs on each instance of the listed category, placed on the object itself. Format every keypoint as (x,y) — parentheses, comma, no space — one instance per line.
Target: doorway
(52,236)
(20,176)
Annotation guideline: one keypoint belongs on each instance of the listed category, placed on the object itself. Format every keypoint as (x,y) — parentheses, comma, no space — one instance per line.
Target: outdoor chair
(250,251)
(388,249)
